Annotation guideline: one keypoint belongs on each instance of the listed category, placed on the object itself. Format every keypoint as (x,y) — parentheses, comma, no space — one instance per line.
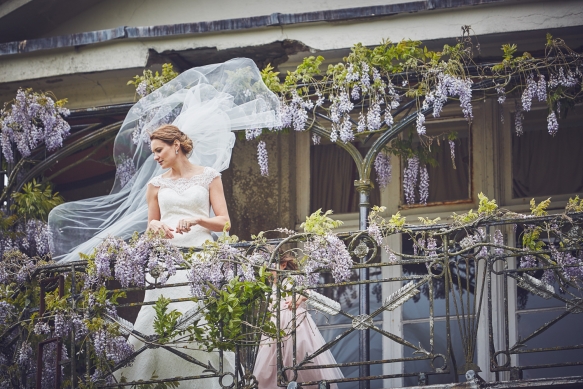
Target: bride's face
(164,153)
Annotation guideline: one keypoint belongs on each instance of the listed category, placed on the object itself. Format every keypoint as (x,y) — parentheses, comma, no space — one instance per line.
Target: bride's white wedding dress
(178,199)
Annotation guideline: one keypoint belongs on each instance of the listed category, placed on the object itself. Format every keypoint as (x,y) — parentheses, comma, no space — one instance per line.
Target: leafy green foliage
(574,205)
(231,311)
(320,223)
(165,322)
(154,81)
(35,201)
(541,208)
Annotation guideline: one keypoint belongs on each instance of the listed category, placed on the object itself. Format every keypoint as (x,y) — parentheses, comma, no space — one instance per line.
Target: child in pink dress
(308,340)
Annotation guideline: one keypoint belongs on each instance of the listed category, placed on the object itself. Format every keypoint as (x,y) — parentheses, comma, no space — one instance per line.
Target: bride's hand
(185,224)
(157,226)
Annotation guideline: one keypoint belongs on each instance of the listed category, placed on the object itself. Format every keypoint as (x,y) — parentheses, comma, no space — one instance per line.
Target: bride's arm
(154,223)
(219,204)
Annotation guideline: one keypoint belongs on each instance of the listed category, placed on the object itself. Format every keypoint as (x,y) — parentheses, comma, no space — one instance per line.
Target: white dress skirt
(178,199)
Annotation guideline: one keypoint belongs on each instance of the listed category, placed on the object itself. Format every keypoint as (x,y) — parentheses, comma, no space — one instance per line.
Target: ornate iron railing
(453,274)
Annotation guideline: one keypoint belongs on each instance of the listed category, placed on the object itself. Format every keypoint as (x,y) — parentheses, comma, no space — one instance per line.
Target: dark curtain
(332,175)
(445,182)
(543,165)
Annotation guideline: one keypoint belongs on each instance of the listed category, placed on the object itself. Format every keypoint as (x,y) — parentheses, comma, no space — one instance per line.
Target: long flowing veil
(207,103)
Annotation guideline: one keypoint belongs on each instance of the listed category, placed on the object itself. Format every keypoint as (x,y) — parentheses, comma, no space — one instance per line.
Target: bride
(178,207)
(204,105)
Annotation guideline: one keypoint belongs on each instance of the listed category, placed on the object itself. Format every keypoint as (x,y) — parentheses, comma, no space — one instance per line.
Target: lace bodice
(185,198)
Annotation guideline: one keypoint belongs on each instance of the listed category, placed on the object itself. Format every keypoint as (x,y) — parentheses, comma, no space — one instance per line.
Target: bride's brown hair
(169,133)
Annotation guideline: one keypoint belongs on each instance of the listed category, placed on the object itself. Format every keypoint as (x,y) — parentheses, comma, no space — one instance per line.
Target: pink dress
(308,340)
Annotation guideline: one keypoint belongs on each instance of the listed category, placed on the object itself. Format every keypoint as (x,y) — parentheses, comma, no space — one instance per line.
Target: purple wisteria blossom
(423,184)
(361,123)
(125,170)
(383,168)
(452,152)
(410,174)
(252,133)
(375,232)
(541,88)
(552,123)
(345,129)
(326,252)
(373,117)
(452,86)
(316,139)
(529,92)
(567,81)
(421,129)
(262,158)
(501,94)
(31,120)
(518,118)
(498,240)
(6,311)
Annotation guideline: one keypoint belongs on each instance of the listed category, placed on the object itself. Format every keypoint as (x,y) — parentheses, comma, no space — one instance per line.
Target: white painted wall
(424,26)
(115,13)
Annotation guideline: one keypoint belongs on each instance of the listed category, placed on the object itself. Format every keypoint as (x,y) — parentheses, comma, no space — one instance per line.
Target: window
(449,180)
(332,176)
(545,165)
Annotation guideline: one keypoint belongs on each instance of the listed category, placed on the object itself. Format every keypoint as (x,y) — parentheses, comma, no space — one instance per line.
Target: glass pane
(464,283)
(348,298)
(418,333)
(347,351)
(448,181)
(543,165)
(332,176)
(565,332)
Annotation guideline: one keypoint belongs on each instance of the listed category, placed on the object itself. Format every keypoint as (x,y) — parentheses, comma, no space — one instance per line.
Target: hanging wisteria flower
(373,117)
(320,99)
(125,170)
(346,133)
(361,126)
(448,85)
(6,311)
(31,120)
(389,118)
(499,241)
(552,123)
(452,151)
(327,252)
(518,118)
(375,232)
(529,92)
(501,94)
(383,168)
(316,139)
(142,88)
(355,94)
(410,178)
(541,89)
(252,133)
(567,81)
(42,328)
(421,130)
(423,184)
(262,158)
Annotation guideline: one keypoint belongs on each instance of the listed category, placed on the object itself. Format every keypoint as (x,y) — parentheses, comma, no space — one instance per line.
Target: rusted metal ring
(442,368)
(495,363)
(432,266)
(225,375)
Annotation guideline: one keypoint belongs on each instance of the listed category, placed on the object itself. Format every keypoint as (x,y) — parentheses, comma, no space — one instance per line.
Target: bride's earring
(176,151)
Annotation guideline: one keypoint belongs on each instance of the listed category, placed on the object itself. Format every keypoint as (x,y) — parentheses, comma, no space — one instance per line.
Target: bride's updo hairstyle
(169,133)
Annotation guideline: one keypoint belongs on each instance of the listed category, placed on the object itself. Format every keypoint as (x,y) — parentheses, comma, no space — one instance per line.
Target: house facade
(87,51)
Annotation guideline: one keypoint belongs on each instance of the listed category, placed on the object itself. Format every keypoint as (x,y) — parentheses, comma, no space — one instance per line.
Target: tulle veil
(207,103)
